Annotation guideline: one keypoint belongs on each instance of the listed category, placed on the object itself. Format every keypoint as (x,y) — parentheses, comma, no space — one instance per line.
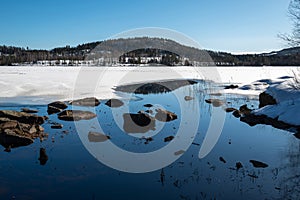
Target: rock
(215,102)
(43,156)
(165,116)
(237,114)
(244,110)
(138,123)
(266,99)
(188,98)
(238,165)
(155,87)
(90,101)
(97,137)
(114,103)
(222,159)
(27,110)
(57,126)
(258,164)
(56,107)
(13,138)
(168,139)
(8,125)
(230,110)
(76,115)
(22,117)
(231,87)
(177,153)
(148,105)
(147,140)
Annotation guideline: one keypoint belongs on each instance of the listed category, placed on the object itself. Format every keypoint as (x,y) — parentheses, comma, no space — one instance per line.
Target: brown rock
(165,116)
(76,115)
(188,98)
(114,103)
(230,110)
(97,137)
(56,107)
(90,101)
(215,102)
(138,123)
(57,126)
(237,114)
(266,99)
(244,110)
(27,110)
(22,117)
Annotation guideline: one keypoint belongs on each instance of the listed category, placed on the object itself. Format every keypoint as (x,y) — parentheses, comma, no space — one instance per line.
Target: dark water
(72,172)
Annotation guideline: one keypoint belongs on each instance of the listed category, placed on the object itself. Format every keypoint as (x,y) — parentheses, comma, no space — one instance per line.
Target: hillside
(142,51)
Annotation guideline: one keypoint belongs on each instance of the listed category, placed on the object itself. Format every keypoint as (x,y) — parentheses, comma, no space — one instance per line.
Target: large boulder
(90,101)
(165,116)
(56,107)
(19,128)
(138,123)
(266,99)
(76,115)
(22,117)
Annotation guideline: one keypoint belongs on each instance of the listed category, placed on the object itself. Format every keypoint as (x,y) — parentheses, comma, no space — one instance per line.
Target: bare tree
(294,12)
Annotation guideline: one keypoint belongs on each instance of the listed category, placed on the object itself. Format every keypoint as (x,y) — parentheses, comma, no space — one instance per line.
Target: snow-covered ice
(45,84)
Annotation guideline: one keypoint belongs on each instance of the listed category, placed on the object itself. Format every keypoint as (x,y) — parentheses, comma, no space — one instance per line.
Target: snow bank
(287,97)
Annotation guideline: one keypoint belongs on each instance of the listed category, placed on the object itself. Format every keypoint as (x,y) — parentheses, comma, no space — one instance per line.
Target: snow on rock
(287,97)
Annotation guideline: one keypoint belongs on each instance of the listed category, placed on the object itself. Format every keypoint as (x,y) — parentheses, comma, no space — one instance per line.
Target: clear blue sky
(225,25)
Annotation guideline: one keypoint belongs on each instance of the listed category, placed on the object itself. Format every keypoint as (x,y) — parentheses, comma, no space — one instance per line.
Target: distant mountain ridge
(153,50)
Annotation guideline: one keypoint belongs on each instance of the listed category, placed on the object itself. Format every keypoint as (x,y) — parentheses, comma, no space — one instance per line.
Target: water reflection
(226,173)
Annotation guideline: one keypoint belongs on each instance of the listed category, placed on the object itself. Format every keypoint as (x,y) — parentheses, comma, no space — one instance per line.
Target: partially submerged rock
(27,110)
(76,115)
(97,137)
(222,159)
(90,101)
(215,102)
(180,152)
(138,123)
(231,87)
(188,98)
(238,165)
(114,103)
(56,107)
(266,99)
(155,87)
(22,117)
(57,126)
(230,110)
(258,164)
(168,139)
(148,105)
(19,128)
(165,116)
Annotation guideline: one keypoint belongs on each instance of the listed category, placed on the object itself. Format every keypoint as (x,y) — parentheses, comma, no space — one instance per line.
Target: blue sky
(228,25)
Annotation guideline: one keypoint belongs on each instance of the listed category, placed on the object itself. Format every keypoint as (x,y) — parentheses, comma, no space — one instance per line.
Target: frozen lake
(36,85)
(165,161)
